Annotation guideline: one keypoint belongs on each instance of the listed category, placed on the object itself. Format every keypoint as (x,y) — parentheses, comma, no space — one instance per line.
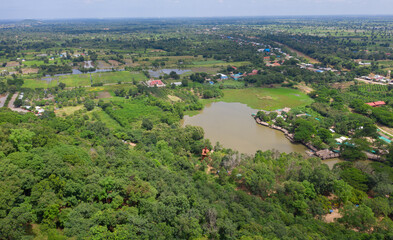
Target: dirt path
(11,104)
(370,82)
(384,129)
(302,87)
(331,217)
(3,98)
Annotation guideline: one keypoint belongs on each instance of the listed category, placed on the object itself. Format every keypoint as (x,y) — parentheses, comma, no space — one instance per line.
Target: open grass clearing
(174,98)
(68,110)
(266,98)
(104,118)
(77,80)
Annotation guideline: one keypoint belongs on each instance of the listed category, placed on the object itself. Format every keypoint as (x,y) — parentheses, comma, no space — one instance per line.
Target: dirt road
(11,104)
(370,82)
(2,99)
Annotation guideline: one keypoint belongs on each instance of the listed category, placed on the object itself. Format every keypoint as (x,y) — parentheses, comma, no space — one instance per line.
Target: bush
(89,105)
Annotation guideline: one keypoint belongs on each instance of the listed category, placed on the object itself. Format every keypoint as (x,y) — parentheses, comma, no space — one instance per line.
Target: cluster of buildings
(313,68)
(159,83)
(378,78)
(237,76)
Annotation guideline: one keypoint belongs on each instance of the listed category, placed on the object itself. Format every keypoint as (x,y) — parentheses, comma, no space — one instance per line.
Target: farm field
(386,64)
(84,79)
(68,110)
(105,118)
(265,98)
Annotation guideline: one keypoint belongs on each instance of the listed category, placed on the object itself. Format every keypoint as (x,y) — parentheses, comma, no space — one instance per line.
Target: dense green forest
(74,174)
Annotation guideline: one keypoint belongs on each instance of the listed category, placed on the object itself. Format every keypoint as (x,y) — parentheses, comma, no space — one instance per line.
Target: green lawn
(208,62)
(232,83)
(214,63)
(105,118)
(266,98)
(84,79)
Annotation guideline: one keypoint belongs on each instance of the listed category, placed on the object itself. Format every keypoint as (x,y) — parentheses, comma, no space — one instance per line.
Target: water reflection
(231,124)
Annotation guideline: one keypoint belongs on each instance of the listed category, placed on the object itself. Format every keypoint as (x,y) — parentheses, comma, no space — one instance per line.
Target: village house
(157,83)
(376,104)
(254,72)
(222,76)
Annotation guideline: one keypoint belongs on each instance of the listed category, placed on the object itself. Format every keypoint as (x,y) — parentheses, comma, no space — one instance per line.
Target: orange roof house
(152,83)
(376,104)
(254,72)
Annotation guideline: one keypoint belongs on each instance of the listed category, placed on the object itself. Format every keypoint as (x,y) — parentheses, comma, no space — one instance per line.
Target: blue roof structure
(237,76)
(385,139)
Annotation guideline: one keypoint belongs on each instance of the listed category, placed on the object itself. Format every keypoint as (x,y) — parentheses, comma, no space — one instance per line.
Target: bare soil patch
(174,98)
(332,217)
(343,85)
(129,62)
(68,110)
(3,97)
(104,95)
(157,50)
(29,70)
(103,65)
(114,63)
(264,97)
(13,64)
(304,88)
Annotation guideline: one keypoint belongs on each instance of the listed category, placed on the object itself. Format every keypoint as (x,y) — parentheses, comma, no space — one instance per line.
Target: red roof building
(254,72)
(152,83)
(376,104)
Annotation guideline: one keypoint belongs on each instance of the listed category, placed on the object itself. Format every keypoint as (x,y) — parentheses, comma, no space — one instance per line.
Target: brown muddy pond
(231,124)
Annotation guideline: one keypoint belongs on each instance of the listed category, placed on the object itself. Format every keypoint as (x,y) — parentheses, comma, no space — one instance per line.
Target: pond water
(231,124)
(48,78)
(161,72)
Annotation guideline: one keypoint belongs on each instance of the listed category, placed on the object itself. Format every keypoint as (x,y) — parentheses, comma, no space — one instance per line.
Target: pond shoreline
(324,154)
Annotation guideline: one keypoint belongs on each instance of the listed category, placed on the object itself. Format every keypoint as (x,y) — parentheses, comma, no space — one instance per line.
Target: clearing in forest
(267,98)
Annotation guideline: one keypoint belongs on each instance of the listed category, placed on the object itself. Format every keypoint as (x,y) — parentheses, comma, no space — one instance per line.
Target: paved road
(2,99)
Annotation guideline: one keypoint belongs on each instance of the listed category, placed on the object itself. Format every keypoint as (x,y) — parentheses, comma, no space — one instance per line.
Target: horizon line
(200,17)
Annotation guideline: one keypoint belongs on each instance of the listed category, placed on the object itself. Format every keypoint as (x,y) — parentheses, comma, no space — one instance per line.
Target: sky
(60,9)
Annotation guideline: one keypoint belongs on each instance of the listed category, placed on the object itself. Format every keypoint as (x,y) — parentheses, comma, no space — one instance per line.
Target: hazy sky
(44,9)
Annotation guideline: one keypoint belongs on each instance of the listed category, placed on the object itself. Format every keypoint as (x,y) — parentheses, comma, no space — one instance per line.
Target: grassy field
(84,79)
(105,118)
(207,64)
(68,110)
(232,83)
(386,64)
(266,98)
